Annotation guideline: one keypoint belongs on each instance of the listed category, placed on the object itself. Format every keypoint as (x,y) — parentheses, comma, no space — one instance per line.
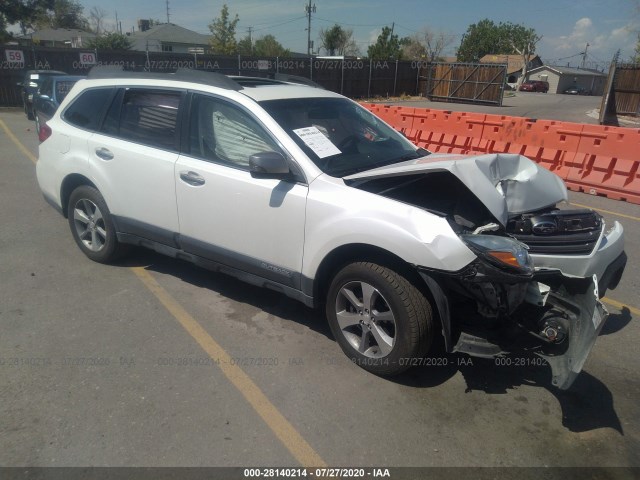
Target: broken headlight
(502,252)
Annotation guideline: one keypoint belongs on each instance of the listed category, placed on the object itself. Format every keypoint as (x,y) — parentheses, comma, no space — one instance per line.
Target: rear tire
(92,227)
(380,319)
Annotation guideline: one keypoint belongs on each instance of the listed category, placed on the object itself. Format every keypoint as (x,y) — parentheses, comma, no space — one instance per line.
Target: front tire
(380,319)
(91,225)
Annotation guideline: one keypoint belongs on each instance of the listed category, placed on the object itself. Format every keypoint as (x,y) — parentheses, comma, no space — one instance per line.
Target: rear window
(86,110)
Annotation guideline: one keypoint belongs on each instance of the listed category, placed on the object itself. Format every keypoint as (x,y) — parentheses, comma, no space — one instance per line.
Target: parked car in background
(50,95)
(30,83)
(535,86)
(575,90)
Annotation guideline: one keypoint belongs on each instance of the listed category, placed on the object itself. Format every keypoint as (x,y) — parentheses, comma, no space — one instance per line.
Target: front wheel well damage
(69,184)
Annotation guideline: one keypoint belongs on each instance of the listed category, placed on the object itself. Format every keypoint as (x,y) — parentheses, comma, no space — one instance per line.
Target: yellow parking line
(615,303)
(637,219)
(17,142)
(286,433)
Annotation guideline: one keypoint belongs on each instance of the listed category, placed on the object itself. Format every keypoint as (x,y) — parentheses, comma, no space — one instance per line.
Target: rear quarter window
(87,109)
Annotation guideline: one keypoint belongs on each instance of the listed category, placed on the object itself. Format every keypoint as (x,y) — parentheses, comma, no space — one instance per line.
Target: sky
(565,25)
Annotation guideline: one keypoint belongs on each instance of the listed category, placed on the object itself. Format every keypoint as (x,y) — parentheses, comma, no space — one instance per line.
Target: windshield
(340,136)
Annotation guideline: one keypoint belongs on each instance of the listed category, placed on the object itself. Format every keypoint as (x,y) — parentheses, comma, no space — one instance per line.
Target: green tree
(245,46)
(4,35)
(24,13)
(110,41)
(65,14)
(387,46)
(483,38)
(223,33)
(427,45)
(523,40)
(268,46)
(636,57)
(338,41)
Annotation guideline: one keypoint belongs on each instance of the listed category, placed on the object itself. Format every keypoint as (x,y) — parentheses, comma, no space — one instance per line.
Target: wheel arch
(343,255)
(69,184)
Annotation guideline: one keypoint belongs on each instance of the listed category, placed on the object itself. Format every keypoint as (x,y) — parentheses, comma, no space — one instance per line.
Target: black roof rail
(188,75)
(285,77)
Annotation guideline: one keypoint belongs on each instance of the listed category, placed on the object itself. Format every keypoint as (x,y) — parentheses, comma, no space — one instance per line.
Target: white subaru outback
(303,191)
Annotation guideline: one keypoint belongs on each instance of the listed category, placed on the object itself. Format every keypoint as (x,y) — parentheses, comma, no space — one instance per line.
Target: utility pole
(249,30)
(584,55)
(168,16)
(117,28)
(309,9)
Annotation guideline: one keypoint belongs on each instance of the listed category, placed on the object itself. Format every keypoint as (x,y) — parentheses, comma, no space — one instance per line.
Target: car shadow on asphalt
(586,406)
(271,302)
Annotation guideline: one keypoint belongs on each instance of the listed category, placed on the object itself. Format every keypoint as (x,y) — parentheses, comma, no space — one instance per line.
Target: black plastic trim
(53,203)
(214,266)
(182,75)
(145,231)
(241,262)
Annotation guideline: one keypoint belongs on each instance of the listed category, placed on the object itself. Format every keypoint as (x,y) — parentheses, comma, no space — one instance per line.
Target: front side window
(86,110)
(148,117)
(339,136)
(224,133)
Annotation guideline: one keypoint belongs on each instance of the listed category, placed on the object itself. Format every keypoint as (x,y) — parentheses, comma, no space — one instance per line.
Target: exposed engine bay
(522,292)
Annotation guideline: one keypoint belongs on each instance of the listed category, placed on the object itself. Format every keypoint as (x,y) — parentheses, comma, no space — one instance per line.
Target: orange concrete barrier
(448,132)
(607,163)
(547,142)
(400,118)
(589,158)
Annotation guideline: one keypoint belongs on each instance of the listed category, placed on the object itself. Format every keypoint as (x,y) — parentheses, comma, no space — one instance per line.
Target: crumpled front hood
(505,183)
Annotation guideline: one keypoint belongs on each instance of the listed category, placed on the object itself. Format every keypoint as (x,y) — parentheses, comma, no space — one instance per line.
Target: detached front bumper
(584,315)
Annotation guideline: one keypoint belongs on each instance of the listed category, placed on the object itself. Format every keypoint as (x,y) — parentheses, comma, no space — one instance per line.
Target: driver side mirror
(269,165)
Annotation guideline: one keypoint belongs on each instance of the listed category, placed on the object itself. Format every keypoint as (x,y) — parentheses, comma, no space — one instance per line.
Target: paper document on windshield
(317,141)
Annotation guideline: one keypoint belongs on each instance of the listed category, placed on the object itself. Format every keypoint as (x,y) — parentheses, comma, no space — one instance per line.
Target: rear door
(132,158)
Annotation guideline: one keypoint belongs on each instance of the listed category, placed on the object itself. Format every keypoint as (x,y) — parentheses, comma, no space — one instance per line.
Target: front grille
(558,232)
(573,244)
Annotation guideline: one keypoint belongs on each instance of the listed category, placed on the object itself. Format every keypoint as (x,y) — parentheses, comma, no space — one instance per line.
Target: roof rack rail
(284,77)
(184,74)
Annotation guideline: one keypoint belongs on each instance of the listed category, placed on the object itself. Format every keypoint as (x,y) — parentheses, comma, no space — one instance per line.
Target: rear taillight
(44,132)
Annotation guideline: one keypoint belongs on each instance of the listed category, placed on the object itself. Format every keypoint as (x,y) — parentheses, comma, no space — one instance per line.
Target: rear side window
(47,87)
(86,110)
(148,117)
(62,89)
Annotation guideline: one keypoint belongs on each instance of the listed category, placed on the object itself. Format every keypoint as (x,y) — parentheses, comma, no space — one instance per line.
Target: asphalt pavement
(155,362)
(548,106)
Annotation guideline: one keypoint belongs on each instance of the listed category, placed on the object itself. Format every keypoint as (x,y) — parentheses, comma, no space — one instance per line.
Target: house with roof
(514,64)
(56,37)
(166,37)
(562,78)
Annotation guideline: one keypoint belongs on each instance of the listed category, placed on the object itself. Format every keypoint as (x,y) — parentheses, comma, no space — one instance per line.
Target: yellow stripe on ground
(631,217)
(17,142)
(286,433)
(619,305)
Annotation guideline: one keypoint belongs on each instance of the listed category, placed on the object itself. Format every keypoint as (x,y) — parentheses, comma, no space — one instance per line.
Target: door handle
(104,153)
(192,178)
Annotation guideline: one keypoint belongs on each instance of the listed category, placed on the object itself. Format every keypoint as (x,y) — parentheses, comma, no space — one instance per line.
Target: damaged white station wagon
(303,191)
